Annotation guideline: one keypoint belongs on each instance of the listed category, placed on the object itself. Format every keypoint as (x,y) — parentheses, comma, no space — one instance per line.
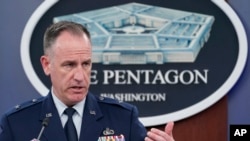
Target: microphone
(44,124)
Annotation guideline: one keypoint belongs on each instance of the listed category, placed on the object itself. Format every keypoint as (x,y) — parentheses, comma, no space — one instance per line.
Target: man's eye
(69,65)
(86,64)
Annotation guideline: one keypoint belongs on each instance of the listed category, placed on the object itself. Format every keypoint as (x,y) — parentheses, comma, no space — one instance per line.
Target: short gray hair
(54,30)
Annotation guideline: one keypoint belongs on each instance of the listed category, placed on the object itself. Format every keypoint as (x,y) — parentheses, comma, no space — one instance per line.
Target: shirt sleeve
(138,131)
(5,130)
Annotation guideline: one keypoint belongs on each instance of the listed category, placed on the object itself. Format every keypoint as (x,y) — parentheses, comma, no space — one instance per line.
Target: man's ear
(45,64)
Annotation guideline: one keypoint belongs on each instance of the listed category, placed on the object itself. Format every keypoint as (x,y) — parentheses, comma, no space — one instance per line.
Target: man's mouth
(77,89)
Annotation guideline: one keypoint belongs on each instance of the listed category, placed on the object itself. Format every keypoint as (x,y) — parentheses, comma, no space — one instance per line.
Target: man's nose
(79,74)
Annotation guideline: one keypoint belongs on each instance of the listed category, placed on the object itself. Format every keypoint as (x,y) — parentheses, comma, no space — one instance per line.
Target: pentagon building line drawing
(137,33)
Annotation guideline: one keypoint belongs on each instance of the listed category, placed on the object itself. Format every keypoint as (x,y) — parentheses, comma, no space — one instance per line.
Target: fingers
(158,135)
(148,139)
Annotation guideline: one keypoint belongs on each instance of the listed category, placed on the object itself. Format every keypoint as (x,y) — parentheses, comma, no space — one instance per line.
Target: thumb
(169,128)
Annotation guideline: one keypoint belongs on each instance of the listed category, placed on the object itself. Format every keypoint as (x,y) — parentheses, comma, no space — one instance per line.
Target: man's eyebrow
(87,60)
(68,61)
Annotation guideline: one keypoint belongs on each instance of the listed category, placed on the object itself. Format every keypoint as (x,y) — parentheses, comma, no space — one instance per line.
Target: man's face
(69,66)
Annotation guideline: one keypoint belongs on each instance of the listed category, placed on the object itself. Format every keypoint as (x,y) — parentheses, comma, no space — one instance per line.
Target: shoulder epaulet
(114,102)
(24,105)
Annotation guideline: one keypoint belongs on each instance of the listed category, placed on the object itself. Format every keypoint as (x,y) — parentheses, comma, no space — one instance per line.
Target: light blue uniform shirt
(77,117)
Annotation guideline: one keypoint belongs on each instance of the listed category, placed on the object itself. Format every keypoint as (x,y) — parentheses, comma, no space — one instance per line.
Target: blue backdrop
(239,96)
(16,88)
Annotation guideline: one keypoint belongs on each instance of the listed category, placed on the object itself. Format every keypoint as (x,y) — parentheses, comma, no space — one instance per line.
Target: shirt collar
(60,106)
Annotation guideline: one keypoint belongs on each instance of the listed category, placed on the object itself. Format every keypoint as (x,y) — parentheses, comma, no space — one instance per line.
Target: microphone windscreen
(45,121)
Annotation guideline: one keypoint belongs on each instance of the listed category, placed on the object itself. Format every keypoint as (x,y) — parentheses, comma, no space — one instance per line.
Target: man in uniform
(70,112)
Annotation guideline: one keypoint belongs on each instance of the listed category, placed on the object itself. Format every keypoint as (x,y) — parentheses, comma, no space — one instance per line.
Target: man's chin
(77,97)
